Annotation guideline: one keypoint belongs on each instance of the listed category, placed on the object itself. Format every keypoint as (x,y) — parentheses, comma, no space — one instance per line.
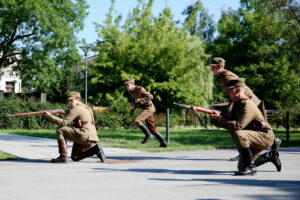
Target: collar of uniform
(79,104)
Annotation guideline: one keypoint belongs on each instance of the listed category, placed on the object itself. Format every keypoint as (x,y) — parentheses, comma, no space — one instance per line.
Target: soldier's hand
(46,113)
(137,100)
(215,115)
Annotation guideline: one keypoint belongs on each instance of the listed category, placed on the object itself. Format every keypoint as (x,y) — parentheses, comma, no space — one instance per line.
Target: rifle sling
(198,116)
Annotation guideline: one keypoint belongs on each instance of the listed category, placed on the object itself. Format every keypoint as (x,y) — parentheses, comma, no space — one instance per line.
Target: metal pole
(168,125)
(287,124)
(85,96)
(85,49)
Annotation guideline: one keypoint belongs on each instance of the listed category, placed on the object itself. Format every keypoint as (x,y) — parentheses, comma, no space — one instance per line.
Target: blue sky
(99,8)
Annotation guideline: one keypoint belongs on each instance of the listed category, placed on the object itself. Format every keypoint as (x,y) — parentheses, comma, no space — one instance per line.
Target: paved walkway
(135,175)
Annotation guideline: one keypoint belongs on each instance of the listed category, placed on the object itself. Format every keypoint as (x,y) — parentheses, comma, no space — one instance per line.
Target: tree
(260,42)
(160,56)
(42,33)
(198,22)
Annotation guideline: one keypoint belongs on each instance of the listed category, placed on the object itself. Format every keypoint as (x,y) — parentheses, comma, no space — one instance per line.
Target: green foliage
(163,58)
(199,22)
(15,105)
(119,114)
(41,36)
(260,42)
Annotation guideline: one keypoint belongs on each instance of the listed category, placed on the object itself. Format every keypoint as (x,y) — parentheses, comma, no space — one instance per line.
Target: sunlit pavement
(135,175)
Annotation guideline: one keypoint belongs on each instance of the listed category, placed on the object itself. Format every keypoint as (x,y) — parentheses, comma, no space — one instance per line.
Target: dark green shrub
(13,105)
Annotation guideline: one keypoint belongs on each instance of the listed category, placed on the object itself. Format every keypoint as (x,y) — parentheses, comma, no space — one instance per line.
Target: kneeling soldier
(142,99)
(83,132)
(251,132)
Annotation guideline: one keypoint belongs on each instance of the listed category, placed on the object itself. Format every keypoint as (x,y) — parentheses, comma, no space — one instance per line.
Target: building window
(10,87)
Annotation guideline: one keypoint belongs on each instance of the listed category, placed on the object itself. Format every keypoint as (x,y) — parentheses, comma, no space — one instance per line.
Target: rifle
(196,108)
(54,112)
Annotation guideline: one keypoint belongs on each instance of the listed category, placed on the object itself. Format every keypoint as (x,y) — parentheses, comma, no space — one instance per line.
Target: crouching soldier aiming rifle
(142,99)
(249,128)
(83,132)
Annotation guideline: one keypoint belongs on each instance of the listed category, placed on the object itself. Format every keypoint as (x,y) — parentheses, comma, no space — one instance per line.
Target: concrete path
(135,175)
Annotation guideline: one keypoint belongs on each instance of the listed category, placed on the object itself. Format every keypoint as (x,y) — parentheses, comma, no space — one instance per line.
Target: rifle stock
(197,108)
(54,112)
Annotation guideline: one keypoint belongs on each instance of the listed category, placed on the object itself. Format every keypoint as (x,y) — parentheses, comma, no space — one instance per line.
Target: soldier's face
(73,102)
(129,86)
(217,70)
(234,94)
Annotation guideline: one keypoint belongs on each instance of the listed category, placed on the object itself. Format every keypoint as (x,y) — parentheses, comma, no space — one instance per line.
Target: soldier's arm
(146,95)
(70,117)
(248,113)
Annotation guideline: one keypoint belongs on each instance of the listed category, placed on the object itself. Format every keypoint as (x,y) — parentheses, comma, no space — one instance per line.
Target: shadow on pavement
(163,158)
(25,160)
(291,187)
(167,171)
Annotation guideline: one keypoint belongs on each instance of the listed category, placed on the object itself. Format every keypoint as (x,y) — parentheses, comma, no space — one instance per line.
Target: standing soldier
(83,133)
(142,99)
(250,130)
(223,75)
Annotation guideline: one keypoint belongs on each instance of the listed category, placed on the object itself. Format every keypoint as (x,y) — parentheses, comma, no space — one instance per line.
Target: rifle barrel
(197,108)
(59,111)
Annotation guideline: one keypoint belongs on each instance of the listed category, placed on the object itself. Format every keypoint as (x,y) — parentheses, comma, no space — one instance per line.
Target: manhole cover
(109,161)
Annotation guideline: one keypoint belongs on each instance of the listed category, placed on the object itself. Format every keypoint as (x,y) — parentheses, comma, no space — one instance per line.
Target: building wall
(10,81)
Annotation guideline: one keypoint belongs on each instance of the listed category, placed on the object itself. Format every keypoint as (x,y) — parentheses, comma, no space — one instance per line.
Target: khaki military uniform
(141,98)
(83,134)
(248,127)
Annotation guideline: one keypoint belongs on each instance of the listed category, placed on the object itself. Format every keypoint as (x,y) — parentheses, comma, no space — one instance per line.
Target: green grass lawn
(180,139)
(5,156)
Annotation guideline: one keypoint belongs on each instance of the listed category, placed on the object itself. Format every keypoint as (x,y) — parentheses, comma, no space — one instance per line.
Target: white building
(9,80)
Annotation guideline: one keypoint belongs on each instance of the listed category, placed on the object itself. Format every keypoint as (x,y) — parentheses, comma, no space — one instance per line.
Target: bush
(119,115)
(14,105)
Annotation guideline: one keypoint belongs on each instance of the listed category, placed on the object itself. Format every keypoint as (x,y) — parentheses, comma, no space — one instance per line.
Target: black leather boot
(63,154)
(162,141)
(276,144)
(147,133)
(250,168)
(99,152)
(95,150)
(274,158)
(271,156)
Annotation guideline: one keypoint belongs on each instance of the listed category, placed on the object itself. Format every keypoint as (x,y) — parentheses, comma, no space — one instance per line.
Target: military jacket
(83,113)
(141,98)
(245,115)
(226,75)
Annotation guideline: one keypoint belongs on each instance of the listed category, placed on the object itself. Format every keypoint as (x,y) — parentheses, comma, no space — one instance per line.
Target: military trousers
(147,116)
(257,141)
(79,138)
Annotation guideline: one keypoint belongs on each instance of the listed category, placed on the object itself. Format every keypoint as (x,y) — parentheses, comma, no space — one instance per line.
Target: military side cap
(73,95)
(128,80)
(217,61)
(234,83)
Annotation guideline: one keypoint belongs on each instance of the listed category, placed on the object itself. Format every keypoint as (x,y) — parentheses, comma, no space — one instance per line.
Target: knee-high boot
(247,157)
(63,154)
(160,138)
(147,133)
(271,156)
(94,150)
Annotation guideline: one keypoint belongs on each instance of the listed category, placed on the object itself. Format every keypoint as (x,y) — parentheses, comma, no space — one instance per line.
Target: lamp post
(85,49)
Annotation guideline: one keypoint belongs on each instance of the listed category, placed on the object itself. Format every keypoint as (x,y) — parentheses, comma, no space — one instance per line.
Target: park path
(184,175)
